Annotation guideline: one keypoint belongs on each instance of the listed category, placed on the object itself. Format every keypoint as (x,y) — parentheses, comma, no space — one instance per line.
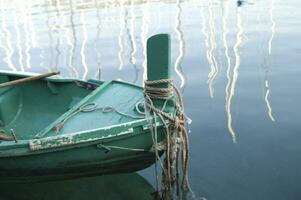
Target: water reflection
(212,48)
(179,32)
(132,40)
(225,41)
(88,39)
(49,36)
(232,81)
(204,31)
(84,41)
(18,35)
(144,31)
(121,186)
(73,44)
(26,16)
(32,33)
(210,43)
(97,37)
(6,34)
(121,31)
(57,27)
(267,65)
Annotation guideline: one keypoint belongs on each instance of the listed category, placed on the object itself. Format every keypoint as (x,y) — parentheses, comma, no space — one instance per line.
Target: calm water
(121,186)
(238,67)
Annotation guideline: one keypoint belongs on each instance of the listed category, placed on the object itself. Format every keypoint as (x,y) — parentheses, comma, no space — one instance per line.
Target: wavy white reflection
(83,46)
(27,32)
(121,31)
(132,34)
(97,36)
(31,29)
(131,38)
(225,42)
(204,31)
(57,28)
(266,82)
(213,63)
(273,26)
(50,68)
(266,99)
(18,37)
(73,44)
(228,102)
(66,34)
(144,31)
(210,45)
(235,72)
(179,32)
(7,47)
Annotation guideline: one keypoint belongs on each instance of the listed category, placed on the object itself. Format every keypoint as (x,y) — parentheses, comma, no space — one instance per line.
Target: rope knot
(176,138)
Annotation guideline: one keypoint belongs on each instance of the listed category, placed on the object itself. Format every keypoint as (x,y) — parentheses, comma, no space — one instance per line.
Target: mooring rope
(90,107)
(177,144)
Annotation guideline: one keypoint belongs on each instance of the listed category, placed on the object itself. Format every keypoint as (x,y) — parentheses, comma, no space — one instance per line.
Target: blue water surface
(237,64)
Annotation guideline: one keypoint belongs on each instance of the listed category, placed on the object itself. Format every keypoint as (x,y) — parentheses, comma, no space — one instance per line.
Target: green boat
(57,128)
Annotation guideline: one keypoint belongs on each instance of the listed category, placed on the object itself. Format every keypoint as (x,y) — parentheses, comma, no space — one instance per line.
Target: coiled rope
(177,144)
(90,107)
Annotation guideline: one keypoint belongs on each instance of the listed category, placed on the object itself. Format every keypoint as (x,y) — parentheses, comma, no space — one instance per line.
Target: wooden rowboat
(57,128)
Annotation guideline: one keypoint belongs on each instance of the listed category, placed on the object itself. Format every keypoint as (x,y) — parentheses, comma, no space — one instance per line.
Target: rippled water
(237,63)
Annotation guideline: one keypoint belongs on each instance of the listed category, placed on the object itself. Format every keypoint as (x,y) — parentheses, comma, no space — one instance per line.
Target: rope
(4,136)
(177,144)
(90,107)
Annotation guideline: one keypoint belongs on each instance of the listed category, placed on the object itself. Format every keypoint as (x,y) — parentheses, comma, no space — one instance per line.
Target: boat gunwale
(25,149)
(58,78)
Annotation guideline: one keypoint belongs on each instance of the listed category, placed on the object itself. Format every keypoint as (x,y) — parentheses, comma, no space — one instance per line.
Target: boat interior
(27,108)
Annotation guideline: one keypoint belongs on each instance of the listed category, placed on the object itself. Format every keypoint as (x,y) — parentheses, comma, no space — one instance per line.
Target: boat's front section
(115,127)
(106,132)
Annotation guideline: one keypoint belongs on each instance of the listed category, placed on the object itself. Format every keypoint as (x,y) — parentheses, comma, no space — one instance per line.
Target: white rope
(90,107)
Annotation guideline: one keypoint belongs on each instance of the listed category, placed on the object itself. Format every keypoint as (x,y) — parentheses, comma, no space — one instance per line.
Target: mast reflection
(228,100)
(212,60)
(267,65)
(144,31)
(97,51)
(83,46)
(130,30)
(225,42)
(32,35)
(7,47)
(232,84)
(57,29)
(120,36)
(27,31)
(73,43)
(179,32)
(18,36)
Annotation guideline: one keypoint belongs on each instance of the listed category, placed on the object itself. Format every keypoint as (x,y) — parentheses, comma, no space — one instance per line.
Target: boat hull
(82,160)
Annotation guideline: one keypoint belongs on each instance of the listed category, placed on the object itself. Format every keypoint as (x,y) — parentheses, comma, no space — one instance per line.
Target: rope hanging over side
(177,144)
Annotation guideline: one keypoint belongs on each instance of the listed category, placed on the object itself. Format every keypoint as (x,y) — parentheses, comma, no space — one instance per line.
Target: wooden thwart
(28,79)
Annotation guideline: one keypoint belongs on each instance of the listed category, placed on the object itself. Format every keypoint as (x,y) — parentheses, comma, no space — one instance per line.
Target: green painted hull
(101,141)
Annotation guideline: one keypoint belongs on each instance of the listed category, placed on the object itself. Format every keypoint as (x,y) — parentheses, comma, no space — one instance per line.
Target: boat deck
(36,109)
(112,103)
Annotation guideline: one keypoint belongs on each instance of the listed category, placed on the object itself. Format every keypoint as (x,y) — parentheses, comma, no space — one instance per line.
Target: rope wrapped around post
(177,144)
